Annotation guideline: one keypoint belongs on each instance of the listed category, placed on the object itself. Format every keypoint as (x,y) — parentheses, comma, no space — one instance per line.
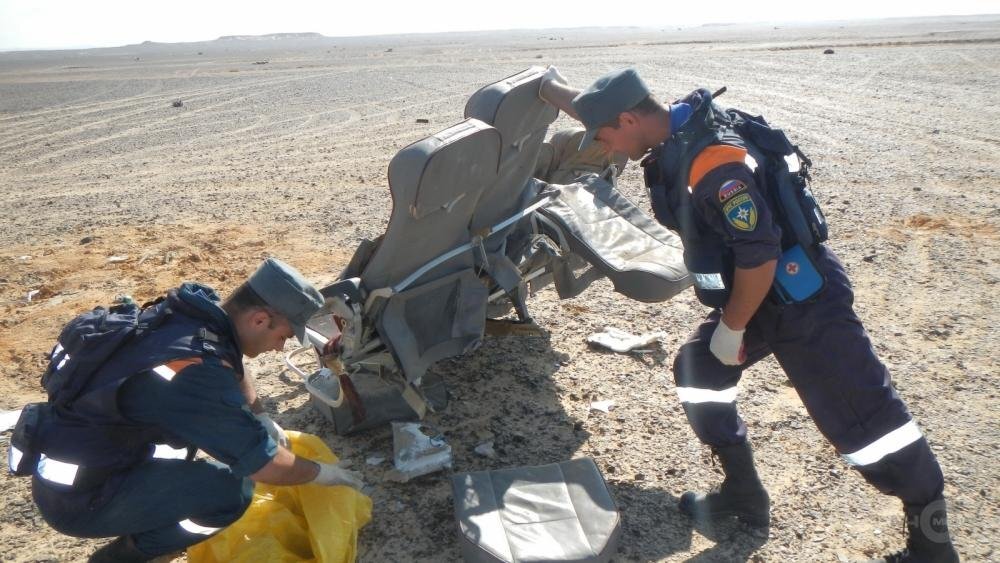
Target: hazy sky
(46,24)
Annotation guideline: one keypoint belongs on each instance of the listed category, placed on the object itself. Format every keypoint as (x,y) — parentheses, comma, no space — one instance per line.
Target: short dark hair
(645,106)
(244,299)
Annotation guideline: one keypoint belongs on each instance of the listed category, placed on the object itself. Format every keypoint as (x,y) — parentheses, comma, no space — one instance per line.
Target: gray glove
(331,474)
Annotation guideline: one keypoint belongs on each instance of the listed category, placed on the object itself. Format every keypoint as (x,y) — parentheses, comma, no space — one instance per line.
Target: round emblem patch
(792,268)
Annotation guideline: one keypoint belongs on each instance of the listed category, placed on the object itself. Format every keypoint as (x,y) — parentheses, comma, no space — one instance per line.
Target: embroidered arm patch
(739,208)
(730,188)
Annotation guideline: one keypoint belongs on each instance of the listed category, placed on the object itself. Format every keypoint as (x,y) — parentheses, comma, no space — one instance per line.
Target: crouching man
(110,444)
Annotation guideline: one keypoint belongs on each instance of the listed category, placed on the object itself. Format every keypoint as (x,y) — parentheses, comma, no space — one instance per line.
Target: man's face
(627,138)
(264,331)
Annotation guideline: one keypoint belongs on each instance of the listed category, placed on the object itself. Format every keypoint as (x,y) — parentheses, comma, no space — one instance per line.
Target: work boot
(927,539)
(741,495)
(122,550)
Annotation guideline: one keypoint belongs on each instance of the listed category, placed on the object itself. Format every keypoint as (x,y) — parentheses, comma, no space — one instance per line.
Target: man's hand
(331,474)
(727,345)
(551,75)
(273,430)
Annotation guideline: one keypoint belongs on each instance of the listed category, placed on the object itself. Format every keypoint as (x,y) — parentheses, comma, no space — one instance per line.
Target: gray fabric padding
(513,107)
(433,321)
(435,184)
(557,512)
(642,258)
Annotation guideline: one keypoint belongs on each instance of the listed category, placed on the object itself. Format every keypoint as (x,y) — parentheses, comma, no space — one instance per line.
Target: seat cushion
(556,512)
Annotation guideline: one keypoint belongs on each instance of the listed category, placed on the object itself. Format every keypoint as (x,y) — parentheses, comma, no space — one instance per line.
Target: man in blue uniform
(819,342)
(114,460)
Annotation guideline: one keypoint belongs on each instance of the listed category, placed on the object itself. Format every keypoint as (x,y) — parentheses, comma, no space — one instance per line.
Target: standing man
(109,463)
(694,158)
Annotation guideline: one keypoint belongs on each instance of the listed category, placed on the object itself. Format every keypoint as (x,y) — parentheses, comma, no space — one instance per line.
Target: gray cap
(283,288)
(615,92)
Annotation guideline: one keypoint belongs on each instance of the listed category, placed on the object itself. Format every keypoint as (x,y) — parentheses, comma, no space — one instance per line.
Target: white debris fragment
(603,406)
(376,459)
(32,294)
(486,449)
(8,419)
(415,453)
(620,341)
(117,259)
(24,258)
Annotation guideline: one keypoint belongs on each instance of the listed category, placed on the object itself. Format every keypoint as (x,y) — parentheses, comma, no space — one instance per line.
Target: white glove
(551,75)
(331,474)
(273,429)
(727,345)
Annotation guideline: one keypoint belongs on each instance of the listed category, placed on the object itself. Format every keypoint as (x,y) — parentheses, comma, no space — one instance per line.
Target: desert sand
(280,147)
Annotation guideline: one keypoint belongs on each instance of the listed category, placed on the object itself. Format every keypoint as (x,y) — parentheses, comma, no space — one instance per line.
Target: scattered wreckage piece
(557,512)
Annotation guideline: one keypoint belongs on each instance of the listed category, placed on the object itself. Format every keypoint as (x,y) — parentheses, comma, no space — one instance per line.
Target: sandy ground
(288,158)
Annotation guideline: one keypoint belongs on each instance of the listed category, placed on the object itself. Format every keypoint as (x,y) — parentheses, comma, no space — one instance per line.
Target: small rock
(486,449)
(639,477)
(86,240)
(177,103)
(935,132)
(423,120)
(828,52)
(375,459)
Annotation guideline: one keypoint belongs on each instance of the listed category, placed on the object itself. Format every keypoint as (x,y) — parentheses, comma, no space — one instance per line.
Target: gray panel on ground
(642,258)
(435,184)
(556,512)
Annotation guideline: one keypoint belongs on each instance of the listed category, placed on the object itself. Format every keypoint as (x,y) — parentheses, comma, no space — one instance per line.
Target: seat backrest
(513,107)
(435,184)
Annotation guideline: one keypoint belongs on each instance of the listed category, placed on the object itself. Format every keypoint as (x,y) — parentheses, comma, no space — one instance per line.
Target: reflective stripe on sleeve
(170,369)
(55,352)
(164,372)
(14,456)
(62,362)
(164,451)
(57,471)
(695,395)
(196,528)
(890,443)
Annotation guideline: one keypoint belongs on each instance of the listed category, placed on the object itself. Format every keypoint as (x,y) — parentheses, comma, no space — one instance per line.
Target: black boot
(741,495)
(928,540)
(122,550)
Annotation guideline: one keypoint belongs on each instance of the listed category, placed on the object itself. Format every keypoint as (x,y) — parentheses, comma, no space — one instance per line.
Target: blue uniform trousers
(166,505)
(827,356)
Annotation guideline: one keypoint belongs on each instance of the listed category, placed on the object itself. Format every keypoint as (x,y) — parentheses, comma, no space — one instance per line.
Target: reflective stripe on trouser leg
(57,471)
(193,528)
(695,395)
(889,443)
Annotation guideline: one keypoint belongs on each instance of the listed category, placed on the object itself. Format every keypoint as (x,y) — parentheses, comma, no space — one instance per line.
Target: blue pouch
(796,278)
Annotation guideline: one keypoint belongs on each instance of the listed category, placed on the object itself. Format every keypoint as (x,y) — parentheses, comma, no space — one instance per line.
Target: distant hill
(272,37)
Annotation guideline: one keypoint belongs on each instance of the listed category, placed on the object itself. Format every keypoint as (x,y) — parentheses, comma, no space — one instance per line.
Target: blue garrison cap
(608,96)
(284,289)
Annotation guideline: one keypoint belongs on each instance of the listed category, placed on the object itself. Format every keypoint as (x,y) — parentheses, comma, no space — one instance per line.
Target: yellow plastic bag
(296,523)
